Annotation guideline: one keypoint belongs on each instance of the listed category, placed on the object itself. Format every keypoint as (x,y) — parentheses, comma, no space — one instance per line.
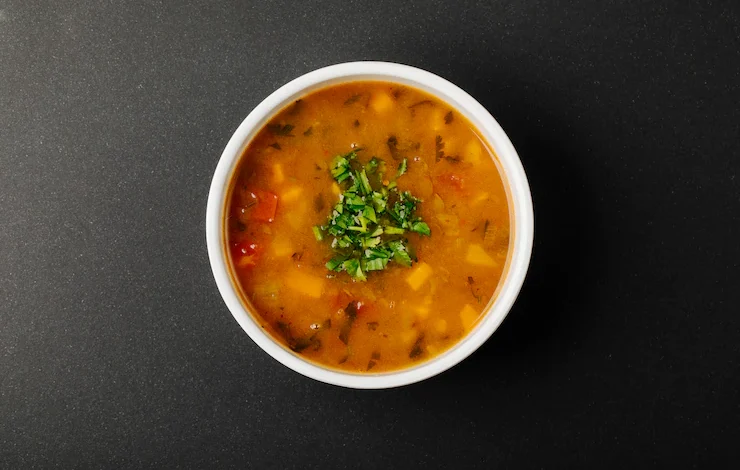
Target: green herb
(393,147)
(284,131)
(317,233)
(298,344)
(421,227)
(400,252)
(449,117)
(473,290)
(308,131)
(353,99)
(275,146)
(417,349)
(340,168)
(398,150)
(364,182)
(367,224)
(350,312)
(394,231)
(402,168)
(421,103)
(376,264)
(335,263)
(354,269)
(439,145)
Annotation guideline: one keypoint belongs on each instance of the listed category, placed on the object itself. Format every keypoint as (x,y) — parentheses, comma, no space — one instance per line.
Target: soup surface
(405,282)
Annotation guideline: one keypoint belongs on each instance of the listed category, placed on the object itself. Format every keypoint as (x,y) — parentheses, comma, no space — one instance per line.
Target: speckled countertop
(116,349)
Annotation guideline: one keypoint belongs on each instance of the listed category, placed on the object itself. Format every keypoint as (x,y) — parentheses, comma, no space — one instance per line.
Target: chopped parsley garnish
(367,226)
(402,168)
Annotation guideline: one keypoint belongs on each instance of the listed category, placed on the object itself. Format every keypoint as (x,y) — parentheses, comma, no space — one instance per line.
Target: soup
(367,226)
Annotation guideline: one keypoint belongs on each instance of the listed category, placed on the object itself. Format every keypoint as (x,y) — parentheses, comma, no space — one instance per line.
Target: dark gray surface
(117,351)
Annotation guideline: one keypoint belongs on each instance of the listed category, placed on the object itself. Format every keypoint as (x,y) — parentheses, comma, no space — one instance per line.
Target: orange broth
(400,316)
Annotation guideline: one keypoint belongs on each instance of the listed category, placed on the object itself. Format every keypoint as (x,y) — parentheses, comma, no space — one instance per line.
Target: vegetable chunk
(381,102)
(419,275)
(477,255)
(304,283)
(468,316)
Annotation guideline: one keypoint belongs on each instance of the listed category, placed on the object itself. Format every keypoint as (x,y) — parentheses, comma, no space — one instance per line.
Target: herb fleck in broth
(307,288)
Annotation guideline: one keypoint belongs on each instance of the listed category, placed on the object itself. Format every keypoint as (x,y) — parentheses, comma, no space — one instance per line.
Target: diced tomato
(244,253)
(258,205)
(362,307)
(266,206)
(451,180)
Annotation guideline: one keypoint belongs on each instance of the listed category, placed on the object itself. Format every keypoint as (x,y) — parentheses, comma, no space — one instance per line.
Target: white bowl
(519,198)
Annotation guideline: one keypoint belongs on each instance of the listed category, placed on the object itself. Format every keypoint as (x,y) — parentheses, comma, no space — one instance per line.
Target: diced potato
(468,316)
(424,188)
(304,283)
(419,275)
(409,336)
(478,256)
(281,247)
(450,224)
(422,312)
(440,325)
(480,197)
(277,173)
(473,151)
(291,195)
(438,203)
(335,189)
(297,217)
(438,119)
(368,294)
(381,102)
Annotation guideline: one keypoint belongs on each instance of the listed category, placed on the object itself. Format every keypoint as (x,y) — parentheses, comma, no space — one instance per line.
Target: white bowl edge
(515,179)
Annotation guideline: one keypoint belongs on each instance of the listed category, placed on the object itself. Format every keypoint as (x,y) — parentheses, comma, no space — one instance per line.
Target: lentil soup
(367,226)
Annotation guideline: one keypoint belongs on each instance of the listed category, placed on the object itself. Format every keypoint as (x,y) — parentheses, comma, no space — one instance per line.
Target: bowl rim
(515,181)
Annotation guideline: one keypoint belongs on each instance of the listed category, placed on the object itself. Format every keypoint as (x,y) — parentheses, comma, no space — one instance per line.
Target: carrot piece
(264,210)
(245,254)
